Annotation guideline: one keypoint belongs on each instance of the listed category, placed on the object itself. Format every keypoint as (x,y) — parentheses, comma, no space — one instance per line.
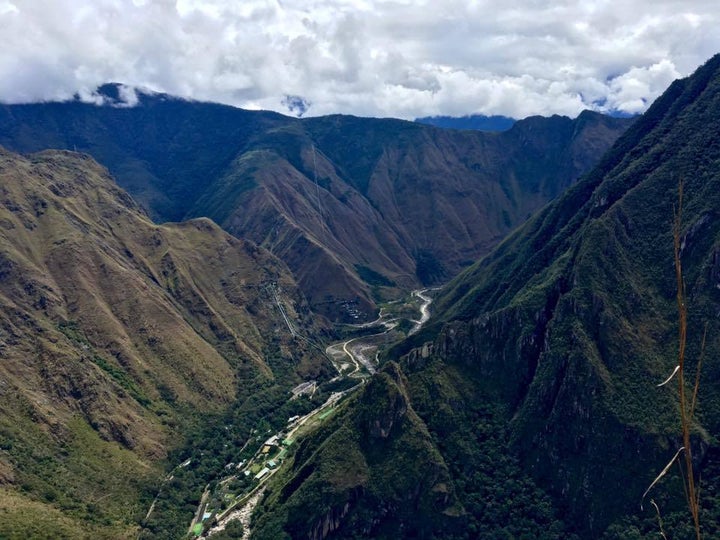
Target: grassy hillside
(118,336)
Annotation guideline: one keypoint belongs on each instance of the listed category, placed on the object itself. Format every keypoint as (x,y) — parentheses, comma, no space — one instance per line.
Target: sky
(397,58)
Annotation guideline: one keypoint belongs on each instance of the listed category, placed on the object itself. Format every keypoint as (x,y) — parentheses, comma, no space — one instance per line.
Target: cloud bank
(396,58)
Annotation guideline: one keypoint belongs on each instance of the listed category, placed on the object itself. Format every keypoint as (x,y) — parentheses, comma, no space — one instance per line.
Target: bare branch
(662,473)
(660,522)
(677,368)
(697,373)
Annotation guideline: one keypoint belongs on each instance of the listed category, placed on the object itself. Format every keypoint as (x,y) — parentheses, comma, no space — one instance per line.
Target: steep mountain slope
(358,208)
(164,151)
(547,352)
(417,455)
(116,336)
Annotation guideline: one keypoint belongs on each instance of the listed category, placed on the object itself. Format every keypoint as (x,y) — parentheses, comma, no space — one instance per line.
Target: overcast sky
(396,58)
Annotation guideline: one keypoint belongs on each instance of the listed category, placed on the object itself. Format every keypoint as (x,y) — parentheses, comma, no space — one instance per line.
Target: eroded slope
(116,335)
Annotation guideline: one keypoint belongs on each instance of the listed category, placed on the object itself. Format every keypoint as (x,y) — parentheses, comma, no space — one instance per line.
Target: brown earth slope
(114,333)
(361,208)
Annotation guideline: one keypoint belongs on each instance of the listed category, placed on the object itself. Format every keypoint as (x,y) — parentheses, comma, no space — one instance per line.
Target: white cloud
(367,57)
(629,92)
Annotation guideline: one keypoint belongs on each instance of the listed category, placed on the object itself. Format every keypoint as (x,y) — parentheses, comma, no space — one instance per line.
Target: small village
(245,478)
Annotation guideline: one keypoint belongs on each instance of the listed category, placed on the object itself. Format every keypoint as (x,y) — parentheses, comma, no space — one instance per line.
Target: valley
(349,270)
(362,210)
(511,411)
(341,327)
(233,493)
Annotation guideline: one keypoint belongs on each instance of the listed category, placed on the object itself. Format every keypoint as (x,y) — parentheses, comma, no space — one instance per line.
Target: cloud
(365,57)
(629,92)
(296,105)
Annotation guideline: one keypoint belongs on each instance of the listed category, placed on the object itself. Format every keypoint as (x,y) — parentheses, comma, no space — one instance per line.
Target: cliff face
(358,208)
(420,453)
(572,322)
(116,334)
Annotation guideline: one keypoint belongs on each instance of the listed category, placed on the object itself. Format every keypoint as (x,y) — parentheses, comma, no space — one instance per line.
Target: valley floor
(240,486)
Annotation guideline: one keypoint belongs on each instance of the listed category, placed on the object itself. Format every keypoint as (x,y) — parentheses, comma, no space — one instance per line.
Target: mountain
(118,337)
(530,406)
(477,122)
(359,208)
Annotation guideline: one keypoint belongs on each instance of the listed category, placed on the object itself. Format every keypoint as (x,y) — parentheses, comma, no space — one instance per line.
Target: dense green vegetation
(96,488)
(584,293)
(536,382)
(145,147)
(215,441)
(346,462)
(499,499)
(428,268)
(371,277)
(382,456)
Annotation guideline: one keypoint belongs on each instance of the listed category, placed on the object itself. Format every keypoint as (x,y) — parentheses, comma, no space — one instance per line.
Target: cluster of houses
(275,447)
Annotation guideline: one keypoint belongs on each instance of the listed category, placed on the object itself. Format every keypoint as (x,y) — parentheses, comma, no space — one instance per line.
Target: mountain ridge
(412,204)
(479,122)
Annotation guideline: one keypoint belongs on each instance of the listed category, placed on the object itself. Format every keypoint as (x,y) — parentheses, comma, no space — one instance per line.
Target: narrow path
(274,293)
(200,510)
(167,478)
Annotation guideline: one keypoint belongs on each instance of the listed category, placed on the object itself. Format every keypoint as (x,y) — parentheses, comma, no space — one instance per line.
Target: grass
(83,487)
(686,403)
(371,277)
(687,407)
(22,518)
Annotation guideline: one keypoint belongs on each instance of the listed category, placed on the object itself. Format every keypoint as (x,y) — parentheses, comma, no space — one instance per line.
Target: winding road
(355,353)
